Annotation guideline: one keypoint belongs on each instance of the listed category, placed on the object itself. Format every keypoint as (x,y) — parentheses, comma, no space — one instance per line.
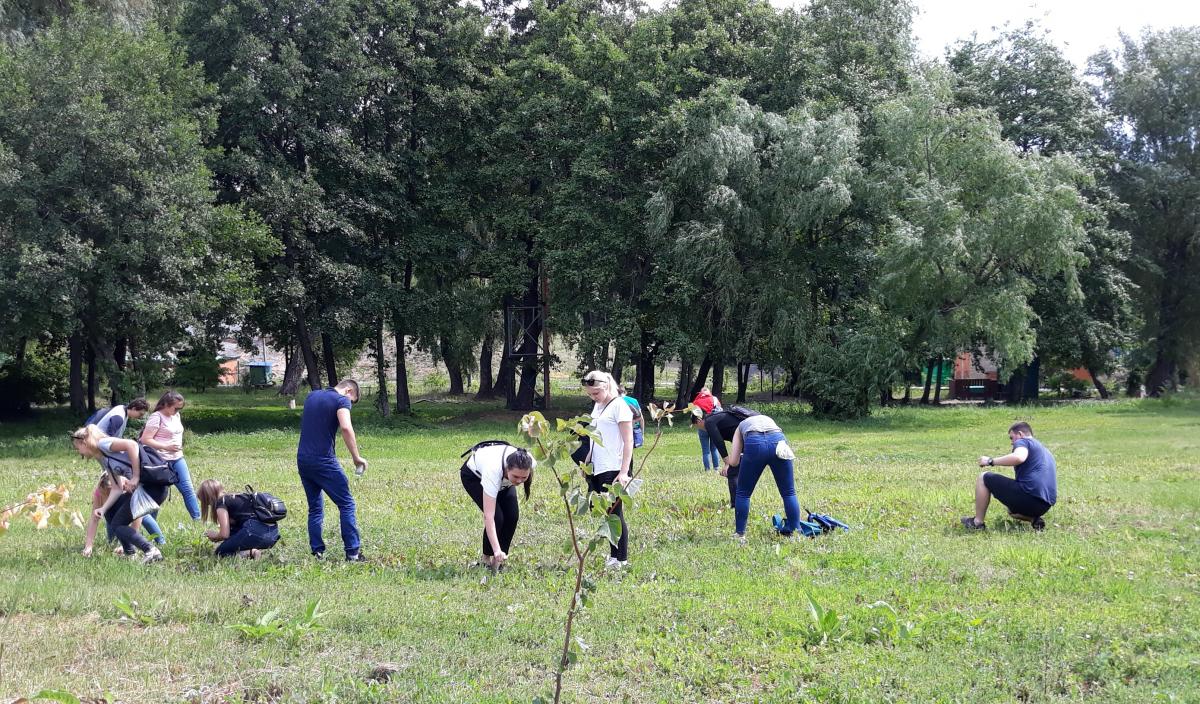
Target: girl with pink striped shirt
(164,432)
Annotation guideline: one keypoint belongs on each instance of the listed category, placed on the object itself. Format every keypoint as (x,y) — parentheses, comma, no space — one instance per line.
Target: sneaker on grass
(969,523)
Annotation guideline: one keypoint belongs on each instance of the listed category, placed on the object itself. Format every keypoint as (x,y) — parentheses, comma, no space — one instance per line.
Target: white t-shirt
(487,463)
(167,430)
(606,420)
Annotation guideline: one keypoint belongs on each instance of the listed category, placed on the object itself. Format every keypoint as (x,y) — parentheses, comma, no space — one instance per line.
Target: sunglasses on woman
(593,382)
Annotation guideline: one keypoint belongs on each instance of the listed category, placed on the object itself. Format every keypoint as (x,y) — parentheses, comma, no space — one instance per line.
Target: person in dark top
(325,412)
(720,425)
(238,531)
(1031,494)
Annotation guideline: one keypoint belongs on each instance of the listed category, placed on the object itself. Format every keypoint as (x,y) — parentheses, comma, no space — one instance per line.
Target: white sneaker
(152,555)
(613,563)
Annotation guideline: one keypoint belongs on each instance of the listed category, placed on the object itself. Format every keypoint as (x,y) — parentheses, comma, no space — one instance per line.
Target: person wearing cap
(611,459)
(325,413)
(1031,494)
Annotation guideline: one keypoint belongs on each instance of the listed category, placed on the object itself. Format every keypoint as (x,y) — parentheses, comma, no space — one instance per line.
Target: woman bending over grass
(490,477)
(238,531)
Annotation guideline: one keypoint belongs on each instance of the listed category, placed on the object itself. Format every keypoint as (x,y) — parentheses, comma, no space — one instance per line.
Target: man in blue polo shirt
(325,412)
(1031,494)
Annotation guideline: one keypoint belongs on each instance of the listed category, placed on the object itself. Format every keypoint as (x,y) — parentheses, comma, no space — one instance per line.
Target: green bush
(198,370)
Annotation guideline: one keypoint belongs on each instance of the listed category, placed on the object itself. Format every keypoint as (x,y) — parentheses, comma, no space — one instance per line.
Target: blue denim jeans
(758,453)
(327,476)
(252,534)
(708,452)
(190,502)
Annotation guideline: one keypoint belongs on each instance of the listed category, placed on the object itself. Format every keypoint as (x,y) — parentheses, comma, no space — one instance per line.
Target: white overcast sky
(1080,27)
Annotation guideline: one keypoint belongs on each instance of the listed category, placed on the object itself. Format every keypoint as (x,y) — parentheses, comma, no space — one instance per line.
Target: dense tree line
(718,183)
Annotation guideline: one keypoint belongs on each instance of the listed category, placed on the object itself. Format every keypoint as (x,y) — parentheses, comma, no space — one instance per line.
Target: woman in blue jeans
(164,432)
(238,531)
(759,443)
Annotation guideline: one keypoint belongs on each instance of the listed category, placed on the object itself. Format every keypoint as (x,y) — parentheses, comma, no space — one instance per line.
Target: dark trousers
(252,534)
(326,475)
(120,517)
(732,481)
(599,483)
(508,510)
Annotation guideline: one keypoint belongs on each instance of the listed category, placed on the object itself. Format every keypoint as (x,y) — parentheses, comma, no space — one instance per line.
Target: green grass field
(1101,607)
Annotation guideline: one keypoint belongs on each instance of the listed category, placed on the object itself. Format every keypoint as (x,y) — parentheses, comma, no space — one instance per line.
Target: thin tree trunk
(928,382)
(22,344)
(91,379)
(683,384)
(528,348)
(701,376)
(330,362)
(306,351)
(75,353)
(1100,387)
(743,381)
(453,368)
(618,364)
(718,385)
(381,379)
(291,371)
(1032,379)
(486,381)
(644,387)
(937,393)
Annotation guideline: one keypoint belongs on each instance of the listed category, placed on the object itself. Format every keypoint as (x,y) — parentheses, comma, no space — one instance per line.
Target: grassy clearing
(1102,607)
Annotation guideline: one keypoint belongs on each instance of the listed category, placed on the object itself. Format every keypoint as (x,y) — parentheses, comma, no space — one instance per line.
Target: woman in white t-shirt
(612,418)
(164,432)
(490,476)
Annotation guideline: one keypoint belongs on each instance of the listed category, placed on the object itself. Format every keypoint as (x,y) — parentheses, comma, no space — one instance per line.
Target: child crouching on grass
(238,531)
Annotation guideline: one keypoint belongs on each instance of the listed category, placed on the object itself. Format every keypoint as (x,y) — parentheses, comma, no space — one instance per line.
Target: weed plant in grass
(1101,607)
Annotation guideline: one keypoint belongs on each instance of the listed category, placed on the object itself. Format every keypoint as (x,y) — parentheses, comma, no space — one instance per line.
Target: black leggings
(120,517)
(599,483)
(508,511)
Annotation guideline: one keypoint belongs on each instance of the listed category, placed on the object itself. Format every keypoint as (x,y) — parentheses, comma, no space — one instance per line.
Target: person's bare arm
(626,428)
(1012,459)
(489,526)
(343,416)
(222,531)
(735,452)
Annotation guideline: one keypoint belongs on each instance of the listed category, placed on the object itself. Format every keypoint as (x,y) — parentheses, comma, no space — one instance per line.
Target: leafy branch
(590,519)
(45,507)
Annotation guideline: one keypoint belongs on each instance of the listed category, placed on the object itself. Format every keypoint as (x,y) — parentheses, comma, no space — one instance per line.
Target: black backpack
(154,469)
(741,412)
(264,507)
(486,443)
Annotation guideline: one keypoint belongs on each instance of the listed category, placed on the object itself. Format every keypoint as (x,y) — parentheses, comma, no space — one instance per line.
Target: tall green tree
(1151,85)
(974,219)
(1045,108)
(112,211)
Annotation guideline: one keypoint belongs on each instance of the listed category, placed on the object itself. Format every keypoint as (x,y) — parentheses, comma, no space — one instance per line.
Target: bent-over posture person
(759,443)
(1031,494)
(490,476)
(122,459)
(719,426)
(238,531)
